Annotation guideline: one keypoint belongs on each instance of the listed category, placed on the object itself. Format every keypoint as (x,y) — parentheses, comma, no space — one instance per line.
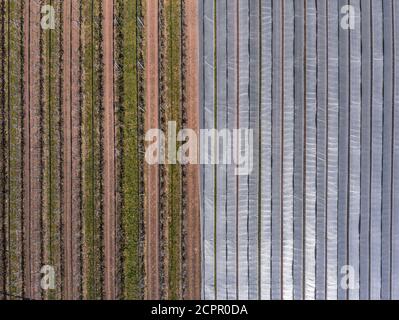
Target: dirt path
(193,238)
(109,153)
(32,152)
(152,171)
(76,149)
(72,154)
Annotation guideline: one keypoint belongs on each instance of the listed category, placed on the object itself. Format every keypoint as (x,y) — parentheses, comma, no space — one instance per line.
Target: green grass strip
(92,158)
(132,207)
(173,22)
(53,147)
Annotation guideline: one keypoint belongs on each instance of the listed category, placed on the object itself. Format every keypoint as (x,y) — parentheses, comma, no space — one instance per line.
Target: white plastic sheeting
(208,204)
(395,160)
(318,217)
(265,152)
(332,150)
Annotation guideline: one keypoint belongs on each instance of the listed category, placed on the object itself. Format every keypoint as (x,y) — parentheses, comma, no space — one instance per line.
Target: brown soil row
(152,171)
(32,151)
(191,205)
(72,150)
(109,153)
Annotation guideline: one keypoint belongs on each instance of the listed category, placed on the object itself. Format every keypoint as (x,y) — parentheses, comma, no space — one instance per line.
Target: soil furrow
(32,151)
(152,171)
(109,152)
(192,183)
(76,149)
(72,151)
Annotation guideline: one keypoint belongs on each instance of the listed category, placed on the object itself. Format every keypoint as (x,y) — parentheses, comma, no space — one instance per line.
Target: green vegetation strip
(131,164)
(173,78)
(15,76)
(3,148)
(92,157)
(53,149)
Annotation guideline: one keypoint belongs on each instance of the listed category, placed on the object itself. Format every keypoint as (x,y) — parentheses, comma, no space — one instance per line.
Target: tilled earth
(82,216)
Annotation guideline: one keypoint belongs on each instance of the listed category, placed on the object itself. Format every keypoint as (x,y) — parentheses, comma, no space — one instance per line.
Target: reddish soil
(71,163)
(152,171)
(32,152)
(75,138)
(109,153)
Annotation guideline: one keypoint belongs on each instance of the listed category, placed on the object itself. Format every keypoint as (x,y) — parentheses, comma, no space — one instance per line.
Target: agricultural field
(199,149)
(80,82)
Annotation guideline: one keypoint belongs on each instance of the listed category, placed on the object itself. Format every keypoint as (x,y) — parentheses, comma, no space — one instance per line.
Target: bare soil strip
(72,150)
(109,152)
(76,158)
(192,220)
(32,151)
(152,171)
